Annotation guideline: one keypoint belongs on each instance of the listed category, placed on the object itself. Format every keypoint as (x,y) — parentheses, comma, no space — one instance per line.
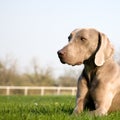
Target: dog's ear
(105,50)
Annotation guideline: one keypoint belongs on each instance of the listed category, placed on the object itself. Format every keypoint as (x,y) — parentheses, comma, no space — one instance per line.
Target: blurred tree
(69,78)
(40,76)
(8,72)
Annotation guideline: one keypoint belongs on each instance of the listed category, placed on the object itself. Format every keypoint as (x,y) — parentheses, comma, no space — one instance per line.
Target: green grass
(44,108)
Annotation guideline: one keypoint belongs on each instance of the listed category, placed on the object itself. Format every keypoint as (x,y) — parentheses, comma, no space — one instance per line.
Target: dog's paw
(98,113)
(76,111)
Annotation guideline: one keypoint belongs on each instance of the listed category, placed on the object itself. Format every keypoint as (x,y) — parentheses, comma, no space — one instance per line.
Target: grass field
(44,108)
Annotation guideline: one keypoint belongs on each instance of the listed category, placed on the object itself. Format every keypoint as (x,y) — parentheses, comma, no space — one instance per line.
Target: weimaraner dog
(98,87)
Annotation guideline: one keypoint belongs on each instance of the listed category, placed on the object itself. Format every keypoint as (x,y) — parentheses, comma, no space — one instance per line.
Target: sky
(39,28)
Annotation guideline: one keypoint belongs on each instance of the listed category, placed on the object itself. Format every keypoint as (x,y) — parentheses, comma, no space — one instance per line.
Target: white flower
(36,104)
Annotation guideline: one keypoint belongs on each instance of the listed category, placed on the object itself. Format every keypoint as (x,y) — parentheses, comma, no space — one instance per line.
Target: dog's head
(84,43)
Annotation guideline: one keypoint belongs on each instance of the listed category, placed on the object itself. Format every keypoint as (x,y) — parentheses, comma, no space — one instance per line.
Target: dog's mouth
(79,63)
(61,60)
(69,63)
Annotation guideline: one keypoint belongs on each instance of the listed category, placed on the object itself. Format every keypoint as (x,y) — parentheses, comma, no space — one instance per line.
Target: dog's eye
(83,39)
(69,37)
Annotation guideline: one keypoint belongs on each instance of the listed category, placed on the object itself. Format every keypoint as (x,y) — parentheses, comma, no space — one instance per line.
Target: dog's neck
(89,64)
(90,70)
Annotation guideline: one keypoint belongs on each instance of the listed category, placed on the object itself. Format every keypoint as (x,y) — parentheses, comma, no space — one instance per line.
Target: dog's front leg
(82,91)
(102,100)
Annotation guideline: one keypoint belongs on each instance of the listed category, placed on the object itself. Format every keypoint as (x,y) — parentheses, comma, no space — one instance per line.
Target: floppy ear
(105,50)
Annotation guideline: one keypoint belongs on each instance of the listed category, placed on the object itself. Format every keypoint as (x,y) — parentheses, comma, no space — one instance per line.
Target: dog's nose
(60,53)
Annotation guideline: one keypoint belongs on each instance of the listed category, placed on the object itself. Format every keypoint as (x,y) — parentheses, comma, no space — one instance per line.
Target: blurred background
(32,31)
